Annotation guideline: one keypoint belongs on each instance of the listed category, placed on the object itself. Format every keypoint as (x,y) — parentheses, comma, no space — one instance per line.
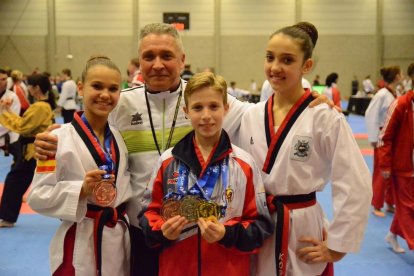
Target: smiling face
(100,91)
(161,62)
(284,64)
(206,110)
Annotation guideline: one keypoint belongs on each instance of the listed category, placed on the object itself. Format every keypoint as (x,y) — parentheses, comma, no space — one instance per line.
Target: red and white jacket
(247,220)
(396,140)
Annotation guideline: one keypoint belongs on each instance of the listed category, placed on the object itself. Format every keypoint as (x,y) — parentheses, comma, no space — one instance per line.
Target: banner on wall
(180,20)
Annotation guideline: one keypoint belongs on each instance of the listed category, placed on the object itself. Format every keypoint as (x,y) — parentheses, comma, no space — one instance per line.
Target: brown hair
(205,80)
(135,62)
(410,70)
(390,73)
(98,60)
(305,33)
(67,72)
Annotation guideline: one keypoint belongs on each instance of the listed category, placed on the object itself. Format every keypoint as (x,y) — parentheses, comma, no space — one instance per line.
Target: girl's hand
(211,230)
(171,229)
(318,251)
(92,178)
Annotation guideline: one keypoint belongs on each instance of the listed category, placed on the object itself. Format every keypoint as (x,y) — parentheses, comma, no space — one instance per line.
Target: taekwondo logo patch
(136,119)
(301,148)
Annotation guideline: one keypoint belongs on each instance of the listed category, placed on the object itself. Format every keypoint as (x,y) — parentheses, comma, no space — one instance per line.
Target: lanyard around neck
(177,106)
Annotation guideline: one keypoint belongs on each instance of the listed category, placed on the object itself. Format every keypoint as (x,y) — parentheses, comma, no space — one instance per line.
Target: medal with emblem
(207,209)
(189,206)
(104,193)
(170,208)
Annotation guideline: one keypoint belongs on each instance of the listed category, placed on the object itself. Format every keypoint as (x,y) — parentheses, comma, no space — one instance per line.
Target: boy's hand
(46,143)
(318,252)
(171,229)
(320,99)
(92,178)
(211,230)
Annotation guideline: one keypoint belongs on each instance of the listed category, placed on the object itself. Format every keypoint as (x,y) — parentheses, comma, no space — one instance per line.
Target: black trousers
(17,182)
(145,259)
(67,115)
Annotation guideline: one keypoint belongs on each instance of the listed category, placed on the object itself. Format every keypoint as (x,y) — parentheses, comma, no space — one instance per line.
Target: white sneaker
(392,240)
(6,224)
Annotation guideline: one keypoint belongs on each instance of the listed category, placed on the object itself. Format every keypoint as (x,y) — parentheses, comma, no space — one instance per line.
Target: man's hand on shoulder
(46,143)
(320,99)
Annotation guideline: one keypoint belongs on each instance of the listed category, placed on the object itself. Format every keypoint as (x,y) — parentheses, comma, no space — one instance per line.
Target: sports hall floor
(24,248)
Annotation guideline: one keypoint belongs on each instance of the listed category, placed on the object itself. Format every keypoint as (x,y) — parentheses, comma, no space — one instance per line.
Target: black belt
(283,204)
(105,216)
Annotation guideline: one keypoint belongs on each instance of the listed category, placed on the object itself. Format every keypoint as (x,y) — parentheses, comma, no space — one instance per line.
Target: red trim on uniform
(66,268)
(43,169)
(276,136)
(329,270)
(285,241)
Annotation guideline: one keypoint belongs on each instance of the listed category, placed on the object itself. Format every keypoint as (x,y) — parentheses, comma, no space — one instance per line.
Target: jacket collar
(185,152)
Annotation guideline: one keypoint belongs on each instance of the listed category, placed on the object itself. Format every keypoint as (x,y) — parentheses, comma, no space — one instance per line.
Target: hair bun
(98,57)
(310,29)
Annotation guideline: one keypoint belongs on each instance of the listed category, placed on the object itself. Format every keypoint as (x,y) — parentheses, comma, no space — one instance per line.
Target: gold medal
(104,193)
(207,209)
(170,208)
(189,206)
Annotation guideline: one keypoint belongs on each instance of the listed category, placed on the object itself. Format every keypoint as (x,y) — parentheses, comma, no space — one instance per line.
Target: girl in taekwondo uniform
(87,186)
(300,150)
(374,120)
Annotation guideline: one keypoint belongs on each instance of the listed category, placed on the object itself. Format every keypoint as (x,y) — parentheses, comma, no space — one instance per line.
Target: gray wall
(356,36)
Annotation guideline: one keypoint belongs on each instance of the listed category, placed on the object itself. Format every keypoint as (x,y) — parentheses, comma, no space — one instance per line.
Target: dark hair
(330,79)
(390,73)
(305,32)
(67,72)
(98,60)
(2,71)
(45,87)
(410,70)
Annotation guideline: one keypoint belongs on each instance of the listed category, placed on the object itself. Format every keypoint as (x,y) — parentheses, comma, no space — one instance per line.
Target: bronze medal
(104,193)
(170,208)
(207,209)
(189,206)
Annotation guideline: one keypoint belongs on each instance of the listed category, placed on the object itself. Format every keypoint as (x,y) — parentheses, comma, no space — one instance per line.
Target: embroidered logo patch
(301,148)
(136,119)
(173,180)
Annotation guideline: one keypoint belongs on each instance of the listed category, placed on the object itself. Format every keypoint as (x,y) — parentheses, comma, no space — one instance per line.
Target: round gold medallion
(189,206)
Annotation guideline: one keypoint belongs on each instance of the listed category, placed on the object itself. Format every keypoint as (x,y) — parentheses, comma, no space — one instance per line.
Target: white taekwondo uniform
(56,194)
(319,148)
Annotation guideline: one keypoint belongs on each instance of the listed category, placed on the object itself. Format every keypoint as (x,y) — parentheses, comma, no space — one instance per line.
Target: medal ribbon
(275,140)
(205,185)
(108,156)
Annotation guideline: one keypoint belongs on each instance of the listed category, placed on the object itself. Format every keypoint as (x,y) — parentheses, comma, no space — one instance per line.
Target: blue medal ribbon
(108,162)
(204,186)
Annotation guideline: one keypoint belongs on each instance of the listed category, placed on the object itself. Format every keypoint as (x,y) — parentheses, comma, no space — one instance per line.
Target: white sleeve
(15,108)
(372,118)
(233,117)
(55,196)
(351,188)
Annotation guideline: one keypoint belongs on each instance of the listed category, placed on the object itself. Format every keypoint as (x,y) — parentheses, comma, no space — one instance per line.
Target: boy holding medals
(86,185)
(207,209)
